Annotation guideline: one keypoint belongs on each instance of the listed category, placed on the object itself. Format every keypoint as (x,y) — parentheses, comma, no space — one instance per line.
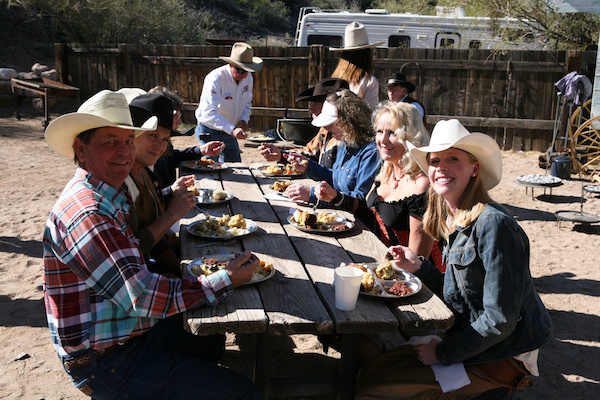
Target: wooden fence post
(61,61)
(316,64)
(124,66)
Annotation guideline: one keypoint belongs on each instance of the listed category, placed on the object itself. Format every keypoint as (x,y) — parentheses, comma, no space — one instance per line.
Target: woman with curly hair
(347,117)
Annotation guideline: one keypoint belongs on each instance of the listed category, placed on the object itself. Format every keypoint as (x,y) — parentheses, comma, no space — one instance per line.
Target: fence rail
(509,95)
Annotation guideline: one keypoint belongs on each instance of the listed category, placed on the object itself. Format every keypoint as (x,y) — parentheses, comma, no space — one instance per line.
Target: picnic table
(299,298)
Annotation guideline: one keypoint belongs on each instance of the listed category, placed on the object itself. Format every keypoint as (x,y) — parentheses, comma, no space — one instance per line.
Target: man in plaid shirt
(117,327)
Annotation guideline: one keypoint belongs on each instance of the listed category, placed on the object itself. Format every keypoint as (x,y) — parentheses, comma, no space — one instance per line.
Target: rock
(38,68)
(6,74)
(27,76)
(51,74)
(21,356)
(38,104)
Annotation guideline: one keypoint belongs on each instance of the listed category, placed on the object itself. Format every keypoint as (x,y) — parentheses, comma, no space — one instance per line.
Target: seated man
(323,147)
(117,327)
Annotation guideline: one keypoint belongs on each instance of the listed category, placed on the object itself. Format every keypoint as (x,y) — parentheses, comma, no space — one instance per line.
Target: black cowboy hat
(153,104)
(399,79)
(320,91)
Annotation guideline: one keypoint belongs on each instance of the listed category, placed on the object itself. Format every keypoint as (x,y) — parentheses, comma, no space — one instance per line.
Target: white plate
(592,188)
(250,227)
(270,175)
(261,139)
(338,221)
(206,197)
(211,168)
(539,180)
(256,277)
(411,280)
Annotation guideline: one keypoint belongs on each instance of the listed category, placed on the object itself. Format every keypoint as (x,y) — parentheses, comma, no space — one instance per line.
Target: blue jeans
(231,153)
(166,362)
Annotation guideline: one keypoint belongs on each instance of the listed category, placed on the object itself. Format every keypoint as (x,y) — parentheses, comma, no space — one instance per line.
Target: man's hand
(270,152)
(403,257)
(426,353)
(325,192)
(298,161)
(213,148)
(182,202)
(183,183)
(238,133)
(243,124)
(298,192)
(241,268)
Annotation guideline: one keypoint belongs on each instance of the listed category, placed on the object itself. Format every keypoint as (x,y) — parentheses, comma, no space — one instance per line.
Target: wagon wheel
(579,116)
(587,141)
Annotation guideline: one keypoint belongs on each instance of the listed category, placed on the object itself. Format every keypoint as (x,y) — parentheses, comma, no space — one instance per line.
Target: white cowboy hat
(105,108)
(131,93)
(356,38)
(242,55)
(451,133)
(327,117)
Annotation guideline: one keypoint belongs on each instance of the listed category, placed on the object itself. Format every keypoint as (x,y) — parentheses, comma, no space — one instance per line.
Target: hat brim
(308,95)
(255,66)
(409,86)
(62,131)
(364,46)
(481,146)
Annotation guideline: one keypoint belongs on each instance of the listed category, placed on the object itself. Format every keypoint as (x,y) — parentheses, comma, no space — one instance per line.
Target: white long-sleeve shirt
(223,102)
(367,89)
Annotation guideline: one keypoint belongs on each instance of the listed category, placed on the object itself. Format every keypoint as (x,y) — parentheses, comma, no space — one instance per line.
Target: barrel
(561,167)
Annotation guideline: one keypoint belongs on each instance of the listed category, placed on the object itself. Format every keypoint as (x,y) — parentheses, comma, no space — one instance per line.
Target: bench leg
(262,377)
(348,366)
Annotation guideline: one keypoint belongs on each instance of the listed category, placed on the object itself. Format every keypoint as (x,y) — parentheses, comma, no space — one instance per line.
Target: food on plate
(280,186)
(203,162)
(367,284)
(264,268)
(304,162)
(224,226)
(260,136)
(277,169)
(400,289)
(219,195)
(321,221)
(211,265)
(194,190)
(385,270)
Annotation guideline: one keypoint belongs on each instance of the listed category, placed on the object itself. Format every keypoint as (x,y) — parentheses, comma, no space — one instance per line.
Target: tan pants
(398,374)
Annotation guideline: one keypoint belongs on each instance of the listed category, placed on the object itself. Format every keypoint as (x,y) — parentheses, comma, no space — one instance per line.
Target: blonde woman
(500,320)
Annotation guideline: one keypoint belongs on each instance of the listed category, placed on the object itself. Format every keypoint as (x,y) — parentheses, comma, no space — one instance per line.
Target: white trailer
(448,30)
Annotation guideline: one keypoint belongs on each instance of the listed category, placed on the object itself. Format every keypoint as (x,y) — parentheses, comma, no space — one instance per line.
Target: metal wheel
(586,140)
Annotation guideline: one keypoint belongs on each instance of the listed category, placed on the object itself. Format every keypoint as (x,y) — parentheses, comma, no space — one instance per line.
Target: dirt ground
(563,264)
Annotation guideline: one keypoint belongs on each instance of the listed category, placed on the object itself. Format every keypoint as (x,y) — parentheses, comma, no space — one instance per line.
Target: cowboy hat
(105,108)
(399,79)
(152,104)
(327,117)
(131,93)
(242,55)
(321,89)
(451,133)
(356,38)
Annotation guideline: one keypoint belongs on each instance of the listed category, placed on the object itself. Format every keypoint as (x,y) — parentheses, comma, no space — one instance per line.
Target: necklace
(396,180)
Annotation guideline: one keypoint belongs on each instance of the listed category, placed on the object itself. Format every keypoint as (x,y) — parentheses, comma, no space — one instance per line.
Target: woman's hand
(183,183)
(212,148)
(403,257)
(270,152)
(298,161)
(298,192)
(182,202)
(426,353)
(325,192)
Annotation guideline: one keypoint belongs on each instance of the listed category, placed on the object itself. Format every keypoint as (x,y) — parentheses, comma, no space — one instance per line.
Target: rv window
(474,44)
(326,40)
(399,41)
(446,43)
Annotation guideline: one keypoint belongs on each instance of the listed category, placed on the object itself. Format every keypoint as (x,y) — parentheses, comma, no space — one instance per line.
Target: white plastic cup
(347,286)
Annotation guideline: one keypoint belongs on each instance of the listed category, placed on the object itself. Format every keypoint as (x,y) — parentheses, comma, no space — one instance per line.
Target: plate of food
(280,171)
(320,222)
(205,165)
(210,264)
(225,227)
(592,188)
(280,186)
(261,138)
(212,196)
(539,180)
(384,281)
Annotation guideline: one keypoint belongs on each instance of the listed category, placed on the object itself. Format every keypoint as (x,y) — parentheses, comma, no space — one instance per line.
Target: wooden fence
(508,95)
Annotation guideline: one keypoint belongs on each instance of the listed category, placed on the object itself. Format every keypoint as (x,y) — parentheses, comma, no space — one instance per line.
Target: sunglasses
(240,70)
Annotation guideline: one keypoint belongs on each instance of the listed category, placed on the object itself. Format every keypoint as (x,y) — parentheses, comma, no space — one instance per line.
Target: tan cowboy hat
(242,55)
(451,133)
(105,108)
(356,38)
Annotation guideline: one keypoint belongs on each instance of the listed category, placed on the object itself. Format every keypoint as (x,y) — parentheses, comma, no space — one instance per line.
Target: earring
(474,174)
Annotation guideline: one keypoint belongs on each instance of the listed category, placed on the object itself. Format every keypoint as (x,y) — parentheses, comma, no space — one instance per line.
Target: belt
(85,359)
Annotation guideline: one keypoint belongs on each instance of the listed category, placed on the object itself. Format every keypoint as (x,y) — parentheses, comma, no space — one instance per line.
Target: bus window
(326,40)
(399,41)
(475,44)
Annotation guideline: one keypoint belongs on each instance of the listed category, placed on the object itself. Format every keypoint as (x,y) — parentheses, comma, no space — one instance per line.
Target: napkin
(450,377)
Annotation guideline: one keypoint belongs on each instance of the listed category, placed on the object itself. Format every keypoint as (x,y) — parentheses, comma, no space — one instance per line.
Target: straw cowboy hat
(320,91)
(105,108)
(451,133)
(242,55)
(356,38)
(399,79)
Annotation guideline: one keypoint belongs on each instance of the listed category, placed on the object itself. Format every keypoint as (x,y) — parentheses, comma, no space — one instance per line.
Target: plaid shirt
(98,290)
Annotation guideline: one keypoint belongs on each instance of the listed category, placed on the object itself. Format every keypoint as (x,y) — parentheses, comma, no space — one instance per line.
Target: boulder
(6,74)
(51,74)
(53,102)
(38,68)
(27,76)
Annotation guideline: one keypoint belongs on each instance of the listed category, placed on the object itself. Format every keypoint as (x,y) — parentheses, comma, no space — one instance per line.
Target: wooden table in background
(300,298)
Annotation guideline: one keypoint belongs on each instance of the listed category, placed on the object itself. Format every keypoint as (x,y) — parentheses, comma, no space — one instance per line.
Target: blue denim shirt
(489,288)
(353,172)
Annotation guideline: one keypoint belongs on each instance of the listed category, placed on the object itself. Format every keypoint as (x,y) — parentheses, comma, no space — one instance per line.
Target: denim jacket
(489,288)
(353,172)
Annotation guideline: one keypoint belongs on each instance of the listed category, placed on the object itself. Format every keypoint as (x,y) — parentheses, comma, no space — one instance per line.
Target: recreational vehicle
(445,30)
